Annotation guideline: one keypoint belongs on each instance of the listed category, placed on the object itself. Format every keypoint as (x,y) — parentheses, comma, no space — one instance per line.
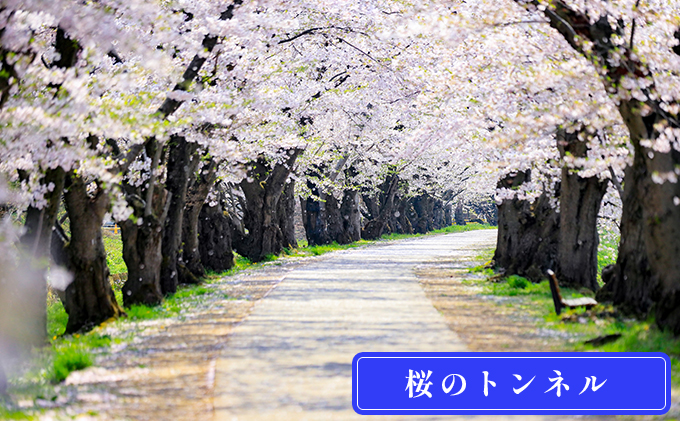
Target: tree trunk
(527,233)
(437,214)
(36,241)
(285,216)
(263,189)
(142,238)
(580,200)
(196,196)
(182,163)
(423,206)
(314,220)
(375,227)
(214,247)
(459,215)
(142,235)
(321,217)
(403,223)
(351,218)
(448,215)
(646,269)
(89,299)
(142,255)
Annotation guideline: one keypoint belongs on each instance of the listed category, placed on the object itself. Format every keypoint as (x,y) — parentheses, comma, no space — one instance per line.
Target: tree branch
(302,34)
(170,105)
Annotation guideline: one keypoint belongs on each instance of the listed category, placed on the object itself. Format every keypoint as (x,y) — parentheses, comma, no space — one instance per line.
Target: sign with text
(511,383)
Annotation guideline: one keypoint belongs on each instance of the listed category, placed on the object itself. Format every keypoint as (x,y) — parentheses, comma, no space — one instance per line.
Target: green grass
(323,249)
(173,305)
(474,226)
(67,359)
(56,317)
(114,252)
(74,352)
(606,251)
(9,414)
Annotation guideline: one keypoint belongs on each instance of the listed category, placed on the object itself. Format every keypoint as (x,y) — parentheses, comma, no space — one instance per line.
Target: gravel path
(291,358)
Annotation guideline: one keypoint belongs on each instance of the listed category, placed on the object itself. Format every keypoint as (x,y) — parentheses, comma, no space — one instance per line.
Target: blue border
(510,355)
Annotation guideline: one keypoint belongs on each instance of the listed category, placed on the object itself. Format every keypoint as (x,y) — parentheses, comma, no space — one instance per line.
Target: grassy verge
(114,252)
(606,251)
(446,230)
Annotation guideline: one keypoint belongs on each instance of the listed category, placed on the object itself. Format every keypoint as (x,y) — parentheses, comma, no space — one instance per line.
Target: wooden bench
(560,302)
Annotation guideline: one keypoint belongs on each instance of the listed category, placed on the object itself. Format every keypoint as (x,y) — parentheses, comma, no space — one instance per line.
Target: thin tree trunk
(89,299)
(142,235)
(580,200)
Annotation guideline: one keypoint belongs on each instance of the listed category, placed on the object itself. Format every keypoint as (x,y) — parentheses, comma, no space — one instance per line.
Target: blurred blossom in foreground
(21,323)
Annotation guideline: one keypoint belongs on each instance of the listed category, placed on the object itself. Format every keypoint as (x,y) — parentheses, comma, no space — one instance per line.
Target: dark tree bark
(191,257)
(315,216)
(459,216)
(372,206)
(528,233)
(36,242)
(314,221)
(375,227)
(39,222)
(437,214)
(633,285)
(334,224)
(321,214)
(448,215)
(214,247)
(263,189)
(145,256)
(285,213)
(423,205)
(403,222)
(89,299)
(351,218)
(182,163)
(328,221)
(142,236)
(580,200)
(647,271)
